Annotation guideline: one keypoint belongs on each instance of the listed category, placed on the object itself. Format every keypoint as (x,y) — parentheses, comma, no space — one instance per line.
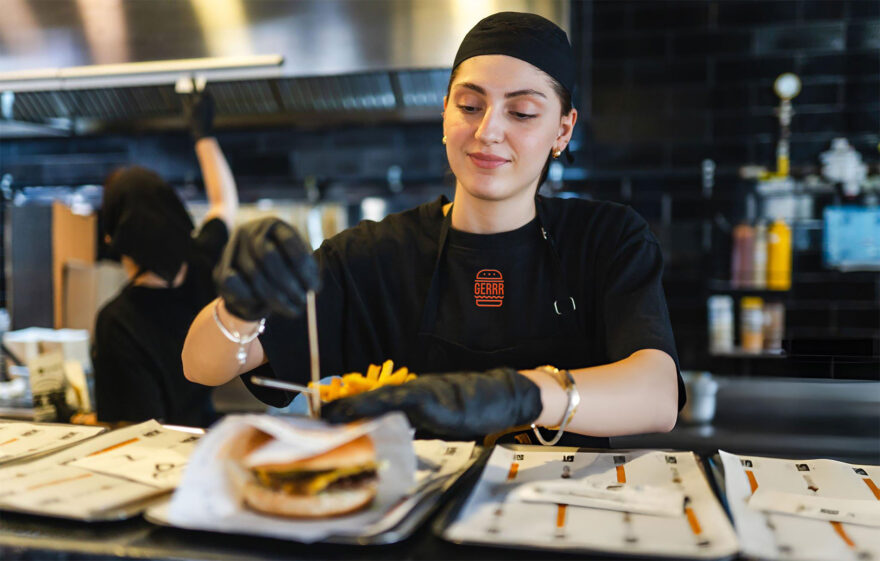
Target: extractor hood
(92,65)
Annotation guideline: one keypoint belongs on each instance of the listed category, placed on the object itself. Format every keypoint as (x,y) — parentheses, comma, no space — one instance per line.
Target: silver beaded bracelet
(566,380)
(235,336)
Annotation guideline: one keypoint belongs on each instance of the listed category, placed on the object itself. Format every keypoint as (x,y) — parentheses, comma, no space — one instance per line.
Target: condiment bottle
(720,324)
(743,256)
(752,324)
(779,256)
(759,263)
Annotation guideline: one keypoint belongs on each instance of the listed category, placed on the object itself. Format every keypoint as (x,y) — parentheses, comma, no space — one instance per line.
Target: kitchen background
(678,116)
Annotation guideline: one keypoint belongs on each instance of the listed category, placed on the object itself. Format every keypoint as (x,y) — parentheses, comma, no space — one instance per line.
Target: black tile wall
(732,13)
(824,9)
(715,61)
(676,83)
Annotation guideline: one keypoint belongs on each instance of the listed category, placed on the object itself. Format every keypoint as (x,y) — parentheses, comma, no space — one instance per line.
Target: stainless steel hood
(335,59)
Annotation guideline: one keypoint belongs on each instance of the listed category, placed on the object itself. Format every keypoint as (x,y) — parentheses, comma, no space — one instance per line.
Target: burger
(336,482)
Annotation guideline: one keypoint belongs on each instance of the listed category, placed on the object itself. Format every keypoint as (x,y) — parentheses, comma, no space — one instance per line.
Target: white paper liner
(643,499)
(207,498)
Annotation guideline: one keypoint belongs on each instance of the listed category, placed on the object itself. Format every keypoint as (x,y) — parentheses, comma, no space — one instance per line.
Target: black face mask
(147,221)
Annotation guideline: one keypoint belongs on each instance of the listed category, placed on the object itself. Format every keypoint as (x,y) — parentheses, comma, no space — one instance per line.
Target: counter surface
(754,417)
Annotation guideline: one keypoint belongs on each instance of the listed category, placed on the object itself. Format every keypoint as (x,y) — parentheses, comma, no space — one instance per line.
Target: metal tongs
(312,394)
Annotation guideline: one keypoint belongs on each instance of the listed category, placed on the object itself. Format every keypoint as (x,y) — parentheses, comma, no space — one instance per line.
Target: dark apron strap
(432,299)
(564,304)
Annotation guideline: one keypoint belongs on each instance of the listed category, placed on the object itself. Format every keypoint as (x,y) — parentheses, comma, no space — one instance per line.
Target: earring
(556,153)
(443,140)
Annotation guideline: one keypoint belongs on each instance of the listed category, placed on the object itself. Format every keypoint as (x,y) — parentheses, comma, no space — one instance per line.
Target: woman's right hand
(266,268)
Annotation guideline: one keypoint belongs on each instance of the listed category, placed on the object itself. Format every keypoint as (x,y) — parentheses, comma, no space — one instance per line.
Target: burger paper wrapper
(208,497)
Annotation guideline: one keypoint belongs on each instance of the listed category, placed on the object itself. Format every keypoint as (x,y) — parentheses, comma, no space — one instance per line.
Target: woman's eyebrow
(518,93)
(508,95)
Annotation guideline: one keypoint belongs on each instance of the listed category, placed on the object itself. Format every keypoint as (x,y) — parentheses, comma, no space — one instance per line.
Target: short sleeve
(125,388)
(211,239)
(635,312)
(269,396)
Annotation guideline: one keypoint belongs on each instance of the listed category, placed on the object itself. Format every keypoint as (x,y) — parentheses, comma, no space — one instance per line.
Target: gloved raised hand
(456,405)
(198,110)
(266,268)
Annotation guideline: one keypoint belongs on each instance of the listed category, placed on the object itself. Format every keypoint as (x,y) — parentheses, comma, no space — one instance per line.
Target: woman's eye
(468,108)
(522,116)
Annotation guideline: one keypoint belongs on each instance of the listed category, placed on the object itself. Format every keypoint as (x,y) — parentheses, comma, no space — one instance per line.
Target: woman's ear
(566,127)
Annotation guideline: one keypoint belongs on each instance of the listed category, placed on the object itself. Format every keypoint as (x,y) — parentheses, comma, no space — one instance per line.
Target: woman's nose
(491,129)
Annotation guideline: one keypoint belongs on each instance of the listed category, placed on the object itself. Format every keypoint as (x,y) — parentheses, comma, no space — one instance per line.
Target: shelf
(739,353)
(727,286)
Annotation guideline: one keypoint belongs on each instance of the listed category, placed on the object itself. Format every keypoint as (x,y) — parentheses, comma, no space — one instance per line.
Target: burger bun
(322,505)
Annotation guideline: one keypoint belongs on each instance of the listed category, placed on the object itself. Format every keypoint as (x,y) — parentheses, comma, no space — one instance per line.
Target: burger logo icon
(489,289)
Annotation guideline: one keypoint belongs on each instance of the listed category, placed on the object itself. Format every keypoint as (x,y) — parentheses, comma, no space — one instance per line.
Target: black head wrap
(528,37)
(146,221)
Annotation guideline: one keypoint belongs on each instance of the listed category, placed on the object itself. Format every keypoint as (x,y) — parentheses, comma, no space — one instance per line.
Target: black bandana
(528,37)
(146,221)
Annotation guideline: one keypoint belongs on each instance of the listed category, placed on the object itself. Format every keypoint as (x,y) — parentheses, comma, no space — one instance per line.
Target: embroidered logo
(489,289)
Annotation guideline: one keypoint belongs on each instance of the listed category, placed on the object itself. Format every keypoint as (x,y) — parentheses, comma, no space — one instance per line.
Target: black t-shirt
(139,337)
(490,287)
(376,276)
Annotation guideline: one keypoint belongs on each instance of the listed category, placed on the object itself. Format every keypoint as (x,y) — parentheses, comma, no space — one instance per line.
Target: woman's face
(501,120)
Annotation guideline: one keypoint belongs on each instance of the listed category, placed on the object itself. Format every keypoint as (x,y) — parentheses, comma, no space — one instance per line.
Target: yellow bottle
(751,327)
(779,256)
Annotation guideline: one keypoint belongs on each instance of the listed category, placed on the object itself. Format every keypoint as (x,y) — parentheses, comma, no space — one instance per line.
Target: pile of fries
(355,383)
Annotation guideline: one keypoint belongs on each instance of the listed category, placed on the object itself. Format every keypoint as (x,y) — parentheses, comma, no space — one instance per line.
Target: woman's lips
(486,161)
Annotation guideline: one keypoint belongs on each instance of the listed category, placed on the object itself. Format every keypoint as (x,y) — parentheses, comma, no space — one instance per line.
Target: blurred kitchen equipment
(843,164)
(787,86)
(851,238)
(702,389)
(27,344)
(45,233)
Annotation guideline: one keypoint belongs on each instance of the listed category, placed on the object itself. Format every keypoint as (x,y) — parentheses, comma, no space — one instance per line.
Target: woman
(495,284)
(139,334)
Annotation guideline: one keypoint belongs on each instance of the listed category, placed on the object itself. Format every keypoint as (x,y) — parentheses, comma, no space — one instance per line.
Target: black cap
(528,37)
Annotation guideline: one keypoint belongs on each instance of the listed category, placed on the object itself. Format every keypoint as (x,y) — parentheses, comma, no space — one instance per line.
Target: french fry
(354,383)
(335,388)
(386,371)
(397,378)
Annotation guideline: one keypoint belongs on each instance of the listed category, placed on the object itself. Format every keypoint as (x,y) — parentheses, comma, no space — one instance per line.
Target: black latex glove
(198,110)
(457,405)
(266,268)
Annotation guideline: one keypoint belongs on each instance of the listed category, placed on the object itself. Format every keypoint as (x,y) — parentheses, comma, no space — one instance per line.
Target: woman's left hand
(456,405)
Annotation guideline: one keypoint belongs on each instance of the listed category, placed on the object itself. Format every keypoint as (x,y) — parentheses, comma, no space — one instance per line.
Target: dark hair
(564,99)
(146,221)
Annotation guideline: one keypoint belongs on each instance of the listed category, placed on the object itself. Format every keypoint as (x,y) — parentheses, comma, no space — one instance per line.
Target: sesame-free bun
(358,452)
(321,505)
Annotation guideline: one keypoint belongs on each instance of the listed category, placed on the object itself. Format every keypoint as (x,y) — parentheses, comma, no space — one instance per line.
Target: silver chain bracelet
(235,336)
(566,380)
